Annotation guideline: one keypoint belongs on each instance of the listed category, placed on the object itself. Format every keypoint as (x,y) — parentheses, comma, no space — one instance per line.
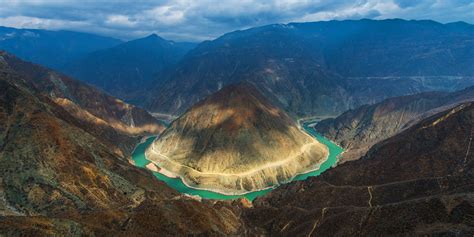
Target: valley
(359,129)
(344,127)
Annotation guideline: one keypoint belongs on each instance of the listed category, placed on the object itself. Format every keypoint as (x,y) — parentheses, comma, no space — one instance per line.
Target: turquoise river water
(140,160)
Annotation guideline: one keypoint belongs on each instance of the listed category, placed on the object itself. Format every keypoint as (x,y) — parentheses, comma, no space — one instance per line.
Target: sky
(197,20)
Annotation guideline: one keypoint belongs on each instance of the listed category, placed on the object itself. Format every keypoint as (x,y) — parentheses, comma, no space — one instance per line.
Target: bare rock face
(235,141)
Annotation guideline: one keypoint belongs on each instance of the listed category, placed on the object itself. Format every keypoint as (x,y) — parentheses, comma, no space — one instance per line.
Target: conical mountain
(235,141)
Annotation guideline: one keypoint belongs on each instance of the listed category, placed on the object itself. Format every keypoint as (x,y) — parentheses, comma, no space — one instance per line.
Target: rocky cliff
(235,141)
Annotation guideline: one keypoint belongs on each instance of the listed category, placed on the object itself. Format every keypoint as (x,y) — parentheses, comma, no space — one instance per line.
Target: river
(140,160)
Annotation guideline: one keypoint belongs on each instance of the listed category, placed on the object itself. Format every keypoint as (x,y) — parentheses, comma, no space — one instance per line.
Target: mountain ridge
(51,48)
(322,67)
(127,69)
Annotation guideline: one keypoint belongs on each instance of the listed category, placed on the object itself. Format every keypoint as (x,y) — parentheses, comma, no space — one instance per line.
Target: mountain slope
(235,141)
(51,48)
(61,176)
(357,130)
(325,68)
(419,182)
(109,117)
(129,67)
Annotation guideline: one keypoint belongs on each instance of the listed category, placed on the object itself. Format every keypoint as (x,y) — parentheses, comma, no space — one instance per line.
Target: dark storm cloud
(206,19)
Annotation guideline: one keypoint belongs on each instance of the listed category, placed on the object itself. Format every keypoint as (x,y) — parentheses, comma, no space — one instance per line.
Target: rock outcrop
(235,141)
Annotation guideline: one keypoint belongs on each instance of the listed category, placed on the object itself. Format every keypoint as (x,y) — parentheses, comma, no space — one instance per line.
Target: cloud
(120,21)
(190,20)
(40,23)
(408,3)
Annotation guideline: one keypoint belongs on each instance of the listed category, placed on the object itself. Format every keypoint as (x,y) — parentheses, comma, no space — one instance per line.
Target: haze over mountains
(304,68)
(51,48)
(130,67)
(325,68)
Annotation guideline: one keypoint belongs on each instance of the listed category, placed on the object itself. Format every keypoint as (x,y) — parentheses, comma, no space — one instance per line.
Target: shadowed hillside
(128,69)
(418,182)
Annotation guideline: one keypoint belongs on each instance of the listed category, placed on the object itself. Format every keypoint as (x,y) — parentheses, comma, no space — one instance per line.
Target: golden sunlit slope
(235,141)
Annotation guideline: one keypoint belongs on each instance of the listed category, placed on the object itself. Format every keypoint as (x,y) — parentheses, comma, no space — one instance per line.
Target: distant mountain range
(131,67)
(319,68)
(51,48)
(123,69)
(325,68)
